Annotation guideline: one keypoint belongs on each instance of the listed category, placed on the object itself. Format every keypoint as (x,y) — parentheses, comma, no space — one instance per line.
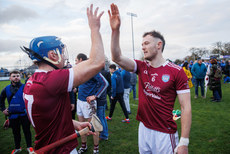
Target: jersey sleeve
(137,66)
(182,82)
(103,84)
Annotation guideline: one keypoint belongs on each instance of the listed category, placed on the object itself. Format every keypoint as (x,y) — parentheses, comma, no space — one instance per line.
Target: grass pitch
(210,131)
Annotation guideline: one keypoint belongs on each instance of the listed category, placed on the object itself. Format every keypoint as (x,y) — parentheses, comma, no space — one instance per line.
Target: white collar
(39,71)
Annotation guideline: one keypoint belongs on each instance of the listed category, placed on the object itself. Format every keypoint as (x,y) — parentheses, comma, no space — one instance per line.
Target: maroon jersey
(48,106)
(158,88)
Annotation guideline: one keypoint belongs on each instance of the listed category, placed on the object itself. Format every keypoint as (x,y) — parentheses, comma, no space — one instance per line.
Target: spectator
(160,82)
(101,102)
(227,68)
(133,82)
(73,101)
(188,73)
(199,71)
(16,111)
(215,80)
(107,76)
(46,92)
(117,93)
(87,93)
(72,94)
(222,65)
(28,76)
(226,79)
(126,80)
(190,65)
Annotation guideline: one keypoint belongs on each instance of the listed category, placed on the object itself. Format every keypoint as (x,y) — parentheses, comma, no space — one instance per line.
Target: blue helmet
(42,45)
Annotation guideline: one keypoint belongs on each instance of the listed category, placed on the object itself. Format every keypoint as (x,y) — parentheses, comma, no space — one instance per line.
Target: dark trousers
(220,91)
(119,98)
(109,94)
(217,93)
(74,110)
(199,82)
(15,125)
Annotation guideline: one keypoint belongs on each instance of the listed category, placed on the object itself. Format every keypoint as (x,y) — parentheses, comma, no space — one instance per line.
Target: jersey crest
(165,77)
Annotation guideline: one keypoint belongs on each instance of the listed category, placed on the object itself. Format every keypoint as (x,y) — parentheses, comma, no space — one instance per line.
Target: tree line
(217,48)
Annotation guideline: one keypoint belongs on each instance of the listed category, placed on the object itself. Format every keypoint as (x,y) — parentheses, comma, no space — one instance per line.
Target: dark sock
(96,147)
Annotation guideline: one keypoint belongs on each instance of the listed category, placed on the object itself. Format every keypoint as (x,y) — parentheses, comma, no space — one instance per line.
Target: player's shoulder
(172,66)
(142,64)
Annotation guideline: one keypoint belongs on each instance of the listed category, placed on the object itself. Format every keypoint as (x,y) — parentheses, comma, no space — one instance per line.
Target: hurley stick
(96,126)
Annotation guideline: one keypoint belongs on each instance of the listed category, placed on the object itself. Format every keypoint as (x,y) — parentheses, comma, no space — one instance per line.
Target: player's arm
(102,85)
(87,69)
(117,57)
(186,120)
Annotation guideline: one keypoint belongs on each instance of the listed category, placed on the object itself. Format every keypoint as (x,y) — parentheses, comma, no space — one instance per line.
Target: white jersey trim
(183,91)
(135,66)
(174,66)
(71,76)
(39,70)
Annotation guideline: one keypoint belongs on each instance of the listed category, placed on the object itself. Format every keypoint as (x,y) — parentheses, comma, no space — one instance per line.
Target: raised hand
(114,17)
(93,18)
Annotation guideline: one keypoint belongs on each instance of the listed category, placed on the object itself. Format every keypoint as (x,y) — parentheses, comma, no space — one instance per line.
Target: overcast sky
(184,24)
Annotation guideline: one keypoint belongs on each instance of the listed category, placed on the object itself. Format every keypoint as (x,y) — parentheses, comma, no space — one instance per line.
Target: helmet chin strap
(45,59)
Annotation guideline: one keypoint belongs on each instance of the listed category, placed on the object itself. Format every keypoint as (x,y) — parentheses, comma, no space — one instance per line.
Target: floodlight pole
(132,15)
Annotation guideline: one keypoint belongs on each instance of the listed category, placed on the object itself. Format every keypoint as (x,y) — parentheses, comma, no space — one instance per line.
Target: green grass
(210,131)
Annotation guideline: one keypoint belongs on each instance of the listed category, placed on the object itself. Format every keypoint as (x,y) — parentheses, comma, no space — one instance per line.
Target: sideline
(4,78)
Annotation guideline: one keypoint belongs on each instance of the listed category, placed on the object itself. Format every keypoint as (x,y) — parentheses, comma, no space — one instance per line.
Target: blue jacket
(117,83)
(133,79)
(17,104)
(227,79)
(126,78)
(199,71)
(95,86)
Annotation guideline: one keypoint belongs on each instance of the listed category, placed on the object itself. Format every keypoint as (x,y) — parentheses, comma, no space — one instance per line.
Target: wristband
(183,141)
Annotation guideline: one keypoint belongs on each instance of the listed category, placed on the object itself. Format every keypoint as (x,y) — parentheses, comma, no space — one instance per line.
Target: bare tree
(227,48)
(198,52)
(221,48)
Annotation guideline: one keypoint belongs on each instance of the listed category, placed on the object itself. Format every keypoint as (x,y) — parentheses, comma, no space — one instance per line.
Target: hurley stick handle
(63,141)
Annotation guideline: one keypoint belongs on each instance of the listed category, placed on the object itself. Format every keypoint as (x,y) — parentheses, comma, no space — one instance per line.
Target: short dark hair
(14,72)
(213,61)
(185,64)
(156,34)
(81,56)
(113,66)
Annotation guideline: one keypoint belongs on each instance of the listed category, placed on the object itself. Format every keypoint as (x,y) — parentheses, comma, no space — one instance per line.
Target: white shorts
(84,109)
(151,141)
